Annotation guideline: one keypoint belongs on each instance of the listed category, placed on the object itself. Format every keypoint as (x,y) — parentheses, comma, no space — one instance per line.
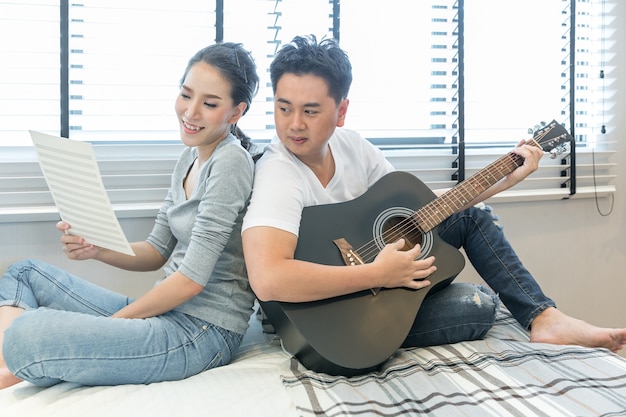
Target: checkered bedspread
(502,375)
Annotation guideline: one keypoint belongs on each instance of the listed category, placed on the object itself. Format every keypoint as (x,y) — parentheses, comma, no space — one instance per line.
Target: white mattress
(249,386)
(502,375)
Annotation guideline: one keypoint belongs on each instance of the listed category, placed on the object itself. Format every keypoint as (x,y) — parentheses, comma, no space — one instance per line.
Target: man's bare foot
(553,326)
(7,379)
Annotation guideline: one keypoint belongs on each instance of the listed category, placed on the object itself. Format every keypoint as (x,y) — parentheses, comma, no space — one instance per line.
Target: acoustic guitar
(356,333)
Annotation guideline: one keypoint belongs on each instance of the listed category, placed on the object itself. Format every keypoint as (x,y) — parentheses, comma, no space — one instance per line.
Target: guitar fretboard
(459,196)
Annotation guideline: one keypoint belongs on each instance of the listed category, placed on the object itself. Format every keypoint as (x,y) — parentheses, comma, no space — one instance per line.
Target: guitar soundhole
(396,228)
(395,223)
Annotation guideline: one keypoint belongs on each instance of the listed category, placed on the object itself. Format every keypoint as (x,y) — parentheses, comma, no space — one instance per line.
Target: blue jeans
(66,334)
(465,311)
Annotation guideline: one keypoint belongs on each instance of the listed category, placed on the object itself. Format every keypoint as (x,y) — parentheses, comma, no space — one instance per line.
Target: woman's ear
(238,111)
(343,109)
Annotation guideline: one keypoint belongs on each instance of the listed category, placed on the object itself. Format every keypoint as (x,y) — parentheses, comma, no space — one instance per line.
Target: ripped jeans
(465,311)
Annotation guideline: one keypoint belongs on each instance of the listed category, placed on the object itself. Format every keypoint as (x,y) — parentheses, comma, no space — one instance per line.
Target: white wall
(577,255)
(41,240)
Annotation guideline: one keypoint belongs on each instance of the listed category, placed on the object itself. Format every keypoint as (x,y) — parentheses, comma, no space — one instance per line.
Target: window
(493,79)
(126,59)
(29,75)
(263,26)
(96,69)
(443,87)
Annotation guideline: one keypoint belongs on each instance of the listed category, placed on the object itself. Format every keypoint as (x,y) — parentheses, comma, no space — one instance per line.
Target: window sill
(514,196)
(150,209)
(50,213)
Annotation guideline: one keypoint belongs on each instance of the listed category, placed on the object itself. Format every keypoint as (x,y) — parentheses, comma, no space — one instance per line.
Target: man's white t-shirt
(284,185)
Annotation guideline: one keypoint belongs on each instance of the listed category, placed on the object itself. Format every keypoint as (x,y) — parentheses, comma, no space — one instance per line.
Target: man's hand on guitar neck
(531,156)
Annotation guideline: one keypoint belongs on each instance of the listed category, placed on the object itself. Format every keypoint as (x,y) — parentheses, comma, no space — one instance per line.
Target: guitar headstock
(551,137)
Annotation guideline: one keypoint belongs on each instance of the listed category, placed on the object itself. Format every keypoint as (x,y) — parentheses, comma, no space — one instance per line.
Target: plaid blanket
(502,375)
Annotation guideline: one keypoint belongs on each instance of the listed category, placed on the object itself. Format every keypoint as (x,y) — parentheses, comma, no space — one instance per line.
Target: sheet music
(74,179)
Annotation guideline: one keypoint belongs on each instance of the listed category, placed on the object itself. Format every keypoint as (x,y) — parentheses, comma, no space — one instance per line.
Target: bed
(502,375)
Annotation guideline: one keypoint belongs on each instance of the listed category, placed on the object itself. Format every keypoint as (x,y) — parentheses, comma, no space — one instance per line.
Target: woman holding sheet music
(57,327)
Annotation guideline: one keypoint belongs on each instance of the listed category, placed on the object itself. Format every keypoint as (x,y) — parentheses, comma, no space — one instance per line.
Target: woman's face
(205,108)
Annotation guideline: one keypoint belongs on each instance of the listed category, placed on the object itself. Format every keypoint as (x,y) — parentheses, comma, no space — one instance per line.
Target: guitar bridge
(351,257)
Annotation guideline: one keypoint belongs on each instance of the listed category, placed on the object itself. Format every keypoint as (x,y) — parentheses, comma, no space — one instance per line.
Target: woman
(57,327)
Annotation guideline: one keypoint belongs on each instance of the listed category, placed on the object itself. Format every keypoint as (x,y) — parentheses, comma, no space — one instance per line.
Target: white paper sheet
(74,179)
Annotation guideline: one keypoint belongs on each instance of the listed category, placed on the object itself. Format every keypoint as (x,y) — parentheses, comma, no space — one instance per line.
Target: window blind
(403,59)
(125,63)
(427,75)
(264,26)
(29,74)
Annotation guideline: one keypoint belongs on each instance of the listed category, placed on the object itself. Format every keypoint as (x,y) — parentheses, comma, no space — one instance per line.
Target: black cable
(603,129)
(595,188)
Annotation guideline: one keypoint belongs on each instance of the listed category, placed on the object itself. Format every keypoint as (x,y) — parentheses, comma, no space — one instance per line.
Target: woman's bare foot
(553,326)
(7,379)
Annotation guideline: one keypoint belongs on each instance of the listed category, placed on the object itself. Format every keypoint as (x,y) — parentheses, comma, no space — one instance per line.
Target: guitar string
(425,219)
(412,227)
(411,232)
(407,229)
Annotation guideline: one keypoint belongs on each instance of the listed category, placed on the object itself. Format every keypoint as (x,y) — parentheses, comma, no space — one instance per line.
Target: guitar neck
(433,213)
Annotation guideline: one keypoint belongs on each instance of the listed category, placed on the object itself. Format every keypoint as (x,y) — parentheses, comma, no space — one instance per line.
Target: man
(316,161)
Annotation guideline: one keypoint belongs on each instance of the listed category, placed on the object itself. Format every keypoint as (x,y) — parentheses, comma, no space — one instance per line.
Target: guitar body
(356,333)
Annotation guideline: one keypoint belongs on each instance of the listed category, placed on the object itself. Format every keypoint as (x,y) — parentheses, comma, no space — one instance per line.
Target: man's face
(306,115)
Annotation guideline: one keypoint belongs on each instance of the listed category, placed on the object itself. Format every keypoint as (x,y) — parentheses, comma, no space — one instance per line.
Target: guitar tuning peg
(530,131)
(559,150)
(543,124)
